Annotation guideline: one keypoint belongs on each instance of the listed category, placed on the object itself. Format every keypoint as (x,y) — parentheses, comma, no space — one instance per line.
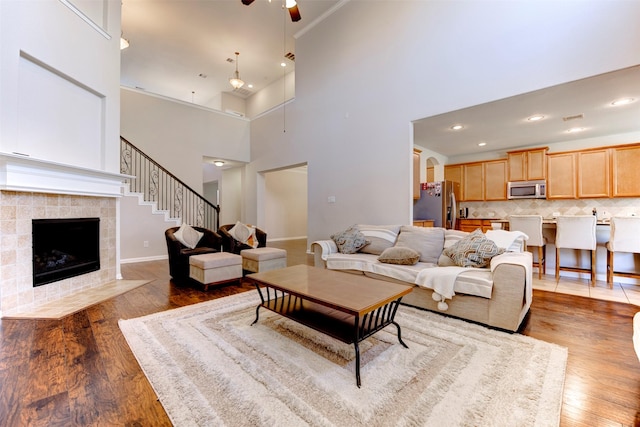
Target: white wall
(231,196)
(286,204)
(59,86)
(177,134)
(367,71)
(275,94)
(142,231)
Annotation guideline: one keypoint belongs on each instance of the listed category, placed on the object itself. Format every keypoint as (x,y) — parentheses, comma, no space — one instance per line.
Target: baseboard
(282,239)
(145,259)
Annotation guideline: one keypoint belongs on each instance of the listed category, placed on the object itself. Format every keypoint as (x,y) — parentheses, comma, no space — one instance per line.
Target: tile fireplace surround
(26,193)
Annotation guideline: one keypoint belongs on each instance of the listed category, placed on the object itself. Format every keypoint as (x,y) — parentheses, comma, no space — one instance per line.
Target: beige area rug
(209,367)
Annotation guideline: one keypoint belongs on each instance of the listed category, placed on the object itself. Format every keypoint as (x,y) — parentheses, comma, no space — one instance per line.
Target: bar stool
(531,225)
(576,232)
(625,237)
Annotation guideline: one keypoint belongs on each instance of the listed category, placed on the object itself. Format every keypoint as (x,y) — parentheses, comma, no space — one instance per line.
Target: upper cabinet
(593,174)
(454,173)
(526,165)
(561,176)
(416,173)
(580,174)
(473,181)
(495,180)
(625,165)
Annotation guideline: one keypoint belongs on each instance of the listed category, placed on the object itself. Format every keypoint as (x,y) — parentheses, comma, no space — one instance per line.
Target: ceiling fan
(291,6)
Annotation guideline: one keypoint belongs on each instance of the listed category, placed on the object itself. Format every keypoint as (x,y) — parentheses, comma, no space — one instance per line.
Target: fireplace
(64,248)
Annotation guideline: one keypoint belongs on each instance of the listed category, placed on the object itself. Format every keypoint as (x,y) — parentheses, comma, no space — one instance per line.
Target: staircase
(167,195)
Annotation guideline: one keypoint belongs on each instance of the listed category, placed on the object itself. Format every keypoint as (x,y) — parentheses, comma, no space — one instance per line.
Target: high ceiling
(503,124)
(174,42)
(180,49)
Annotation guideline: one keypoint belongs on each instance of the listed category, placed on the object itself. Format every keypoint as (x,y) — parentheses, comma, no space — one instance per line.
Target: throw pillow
(399,255)
(427,241)
(380,236)
(240,232)
(451,237)
(350,240)
(253,239)
(188,236)
(475,250)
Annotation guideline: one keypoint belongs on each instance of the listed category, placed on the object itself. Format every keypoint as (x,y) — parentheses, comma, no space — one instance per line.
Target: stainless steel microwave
(527,189)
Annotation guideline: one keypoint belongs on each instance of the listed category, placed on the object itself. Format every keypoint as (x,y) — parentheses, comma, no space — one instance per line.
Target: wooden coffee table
(345,306)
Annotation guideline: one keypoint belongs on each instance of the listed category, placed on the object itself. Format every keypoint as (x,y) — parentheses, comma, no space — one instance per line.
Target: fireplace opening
(64,248)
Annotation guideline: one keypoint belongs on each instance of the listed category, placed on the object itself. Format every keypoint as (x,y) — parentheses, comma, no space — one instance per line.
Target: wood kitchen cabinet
(593,173)
(527,165)
(454,173)
(625,165)
(561,176)
(470,225)
(416,173)
(495,180)
(473,182)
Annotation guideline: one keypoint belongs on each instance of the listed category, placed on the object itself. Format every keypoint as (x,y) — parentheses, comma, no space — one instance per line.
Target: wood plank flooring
(79,371)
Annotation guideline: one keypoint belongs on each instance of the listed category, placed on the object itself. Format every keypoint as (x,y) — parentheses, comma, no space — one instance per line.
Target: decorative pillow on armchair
(244,234)
(350,240)
(188,236)
(474,250)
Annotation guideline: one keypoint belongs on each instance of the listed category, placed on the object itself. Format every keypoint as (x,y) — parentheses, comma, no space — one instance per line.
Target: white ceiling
(503,124)
(172,42)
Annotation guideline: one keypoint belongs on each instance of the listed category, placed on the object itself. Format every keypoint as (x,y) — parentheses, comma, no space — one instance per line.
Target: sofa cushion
(380,237)
(188,236)
(427,241)
(474,250)
(399,255)
(350,240)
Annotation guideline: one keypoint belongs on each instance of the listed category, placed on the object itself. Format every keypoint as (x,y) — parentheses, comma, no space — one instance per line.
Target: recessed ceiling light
(574,130)
(250,86)
(622,101)
(535,118)
(481,144)
(218,163)
(456,127)
(283,64)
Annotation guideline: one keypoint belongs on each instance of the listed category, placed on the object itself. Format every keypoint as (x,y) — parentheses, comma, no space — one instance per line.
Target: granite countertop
(604,221)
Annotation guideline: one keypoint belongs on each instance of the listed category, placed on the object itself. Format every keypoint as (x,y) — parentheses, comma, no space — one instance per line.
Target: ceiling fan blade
(294,12)
(247,2)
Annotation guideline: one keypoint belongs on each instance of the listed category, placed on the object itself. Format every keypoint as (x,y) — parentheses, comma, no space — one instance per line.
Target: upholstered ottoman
(263,259)
(215,268)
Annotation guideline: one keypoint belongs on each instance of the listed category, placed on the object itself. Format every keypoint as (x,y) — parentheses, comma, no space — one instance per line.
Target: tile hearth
(75,302)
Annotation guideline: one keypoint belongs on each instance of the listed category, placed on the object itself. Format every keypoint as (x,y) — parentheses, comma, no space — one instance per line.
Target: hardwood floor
(79,371)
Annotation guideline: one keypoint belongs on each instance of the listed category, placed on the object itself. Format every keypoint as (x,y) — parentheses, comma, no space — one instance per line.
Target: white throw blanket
(442,280)
(504,239)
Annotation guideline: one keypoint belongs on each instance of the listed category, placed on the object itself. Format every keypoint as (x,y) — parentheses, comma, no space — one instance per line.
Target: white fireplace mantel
(23,173)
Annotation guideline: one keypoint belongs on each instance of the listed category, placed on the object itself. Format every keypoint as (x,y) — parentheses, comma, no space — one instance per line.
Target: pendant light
(236,81)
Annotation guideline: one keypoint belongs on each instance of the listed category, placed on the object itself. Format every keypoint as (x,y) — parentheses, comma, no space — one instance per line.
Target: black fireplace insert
(64,248)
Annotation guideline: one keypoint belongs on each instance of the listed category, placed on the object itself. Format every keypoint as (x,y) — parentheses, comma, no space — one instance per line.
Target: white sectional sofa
(498,295)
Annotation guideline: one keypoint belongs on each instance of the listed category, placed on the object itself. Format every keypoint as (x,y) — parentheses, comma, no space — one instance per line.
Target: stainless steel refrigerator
(437,202)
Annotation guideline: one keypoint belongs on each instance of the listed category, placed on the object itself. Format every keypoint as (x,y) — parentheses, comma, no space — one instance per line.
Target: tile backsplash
(605,208)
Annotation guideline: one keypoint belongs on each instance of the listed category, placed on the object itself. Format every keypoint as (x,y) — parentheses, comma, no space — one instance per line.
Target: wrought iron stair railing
(169,193)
